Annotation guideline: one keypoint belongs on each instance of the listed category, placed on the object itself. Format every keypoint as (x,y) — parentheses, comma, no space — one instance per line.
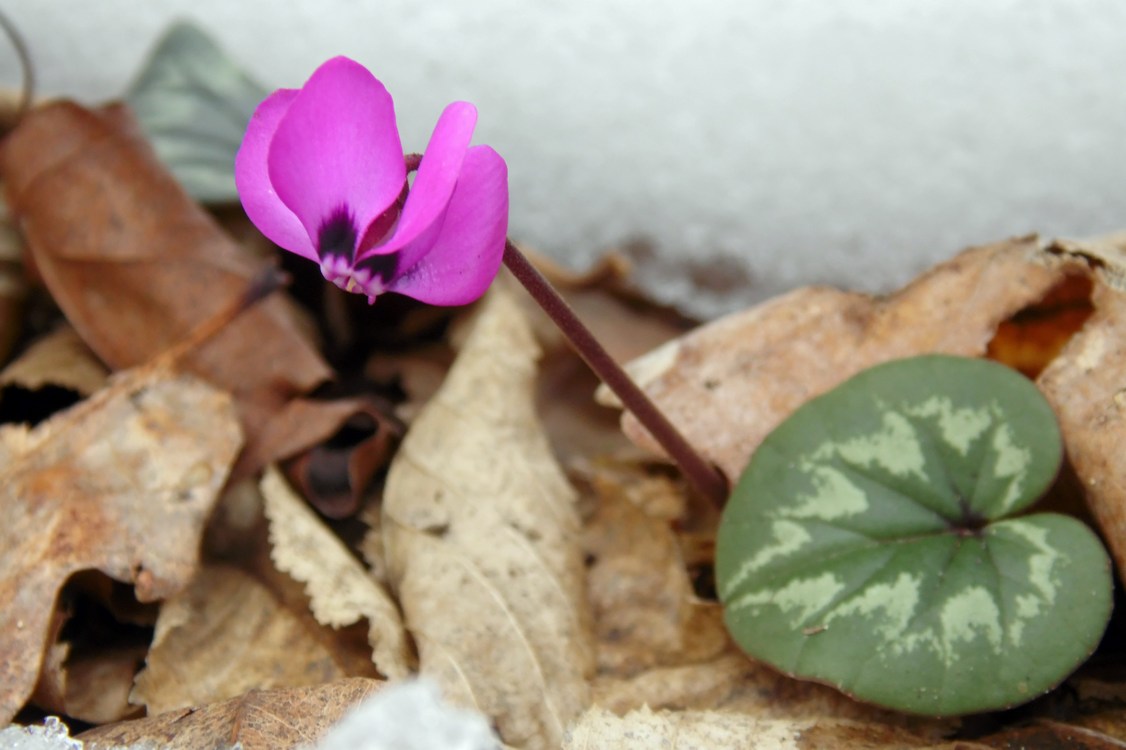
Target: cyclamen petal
(435,180)
(464,258)
(252,179)
(337,147)
(321,173)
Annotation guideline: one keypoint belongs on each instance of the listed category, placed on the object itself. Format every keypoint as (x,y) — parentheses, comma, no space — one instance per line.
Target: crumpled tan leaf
(280,719)
(122,482)
(482,541)
(340,591)
(727,384)
(228,633)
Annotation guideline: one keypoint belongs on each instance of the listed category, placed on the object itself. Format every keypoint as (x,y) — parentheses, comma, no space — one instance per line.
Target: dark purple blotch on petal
(337,235)
(382,267)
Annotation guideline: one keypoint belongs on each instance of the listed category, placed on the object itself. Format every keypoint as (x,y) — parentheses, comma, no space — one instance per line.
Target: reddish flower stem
(704,476)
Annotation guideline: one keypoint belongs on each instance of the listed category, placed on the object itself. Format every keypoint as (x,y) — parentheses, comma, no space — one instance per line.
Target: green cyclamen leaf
(868,544)
(193,103)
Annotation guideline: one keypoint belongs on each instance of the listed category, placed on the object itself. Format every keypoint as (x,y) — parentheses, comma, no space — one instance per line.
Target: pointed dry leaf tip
(321,173)
(868,543)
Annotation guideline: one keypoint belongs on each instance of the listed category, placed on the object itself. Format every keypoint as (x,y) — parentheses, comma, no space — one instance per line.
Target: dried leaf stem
(704,476)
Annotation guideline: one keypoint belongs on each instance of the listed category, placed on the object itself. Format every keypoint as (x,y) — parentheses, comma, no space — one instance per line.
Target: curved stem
(704,476)
(27,93)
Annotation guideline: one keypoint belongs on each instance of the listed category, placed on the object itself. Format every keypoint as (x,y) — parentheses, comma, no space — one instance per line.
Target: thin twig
(27,93)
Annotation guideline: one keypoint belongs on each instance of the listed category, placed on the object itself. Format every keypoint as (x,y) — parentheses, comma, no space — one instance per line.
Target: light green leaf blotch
(895,448)
(834,495)
(787,538)
(802,598)
(890,606)
(966,616)
(1040,577)
(1012,463)
(959,427)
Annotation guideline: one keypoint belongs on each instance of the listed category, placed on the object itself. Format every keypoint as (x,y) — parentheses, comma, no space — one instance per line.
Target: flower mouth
(336,247)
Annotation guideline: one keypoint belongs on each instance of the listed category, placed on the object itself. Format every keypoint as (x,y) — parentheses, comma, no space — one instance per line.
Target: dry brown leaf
(60,359)
(228,633)
(123,483)
(712,730)
(1086,385)
(145,264)
(482,541)
(645,611)
(1052,734)
(259,720)
(340,591)
(727,384)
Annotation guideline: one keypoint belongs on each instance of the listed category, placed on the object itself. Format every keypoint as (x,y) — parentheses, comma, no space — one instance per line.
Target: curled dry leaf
(340,591)
(123,483)
(482,541)
(335,473)
(228,633)
(1086,386)
(712,730)
(146,264)
(281,719)
(727,384)
(92,687)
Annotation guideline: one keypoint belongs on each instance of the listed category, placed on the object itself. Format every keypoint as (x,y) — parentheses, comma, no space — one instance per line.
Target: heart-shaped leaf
(193,104)
(869,543)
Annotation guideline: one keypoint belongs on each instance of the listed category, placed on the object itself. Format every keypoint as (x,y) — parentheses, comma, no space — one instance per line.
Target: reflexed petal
(467,253)
(252,179)
(434,183)
(338,146)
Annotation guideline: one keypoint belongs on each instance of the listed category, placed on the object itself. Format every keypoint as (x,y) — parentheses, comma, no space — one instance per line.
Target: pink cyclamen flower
(321,173)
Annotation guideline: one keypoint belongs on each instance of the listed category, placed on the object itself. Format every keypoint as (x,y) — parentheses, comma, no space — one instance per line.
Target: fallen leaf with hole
(482,541)
(340,591)
(1086,386)
(1055,310)
(727,384)
(56,371)
(228,633)
(123,483)
(60,359)
(283,719)
(144,264)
